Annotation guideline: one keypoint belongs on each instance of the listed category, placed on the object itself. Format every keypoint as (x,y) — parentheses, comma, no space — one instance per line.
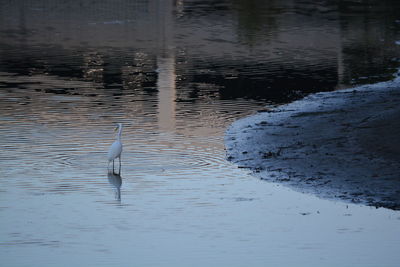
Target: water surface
(176,74)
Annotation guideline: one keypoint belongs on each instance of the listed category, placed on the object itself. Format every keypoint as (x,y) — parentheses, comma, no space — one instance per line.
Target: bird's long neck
(119,133)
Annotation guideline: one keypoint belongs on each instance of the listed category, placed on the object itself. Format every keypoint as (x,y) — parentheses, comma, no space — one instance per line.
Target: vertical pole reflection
(166,80)
(166,93)
(340,67)
(340,64)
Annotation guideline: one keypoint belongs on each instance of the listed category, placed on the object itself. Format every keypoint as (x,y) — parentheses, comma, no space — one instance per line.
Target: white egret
(116,148)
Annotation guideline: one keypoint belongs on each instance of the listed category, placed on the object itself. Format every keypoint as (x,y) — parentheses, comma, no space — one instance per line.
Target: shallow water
(70,71)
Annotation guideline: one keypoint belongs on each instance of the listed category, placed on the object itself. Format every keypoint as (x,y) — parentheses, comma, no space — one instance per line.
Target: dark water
(271,50)
(176,74)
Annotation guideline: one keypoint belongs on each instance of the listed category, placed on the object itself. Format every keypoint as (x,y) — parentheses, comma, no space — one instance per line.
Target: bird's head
(119,125)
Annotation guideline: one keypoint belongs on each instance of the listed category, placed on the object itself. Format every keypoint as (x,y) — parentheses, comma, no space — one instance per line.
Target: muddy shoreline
(338,145)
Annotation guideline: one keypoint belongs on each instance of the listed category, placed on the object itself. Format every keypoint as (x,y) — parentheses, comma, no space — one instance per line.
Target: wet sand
(338,145)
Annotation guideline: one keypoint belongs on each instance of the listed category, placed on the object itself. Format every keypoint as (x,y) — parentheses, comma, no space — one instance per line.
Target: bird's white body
(116,148)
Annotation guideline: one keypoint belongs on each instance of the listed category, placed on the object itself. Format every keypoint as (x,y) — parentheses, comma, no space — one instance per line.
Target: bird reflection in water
(116,181)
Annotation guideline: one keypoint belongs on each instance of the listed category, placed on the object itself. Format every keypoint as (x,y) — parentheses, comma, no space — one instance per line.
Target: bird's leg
(113,166)
(119,172)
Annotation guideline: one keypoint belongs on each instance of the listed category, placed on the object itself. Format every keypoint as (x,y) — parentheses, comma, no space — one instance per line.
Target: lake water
(176,74)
